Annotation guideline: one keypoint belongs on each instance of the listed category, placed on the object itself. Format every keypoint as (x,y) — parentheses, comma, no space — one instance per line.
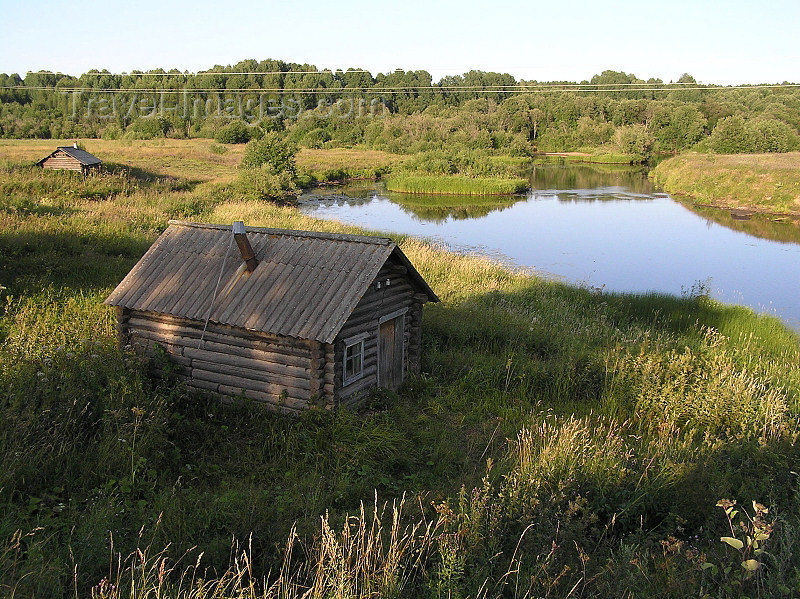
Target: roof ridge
(289,232)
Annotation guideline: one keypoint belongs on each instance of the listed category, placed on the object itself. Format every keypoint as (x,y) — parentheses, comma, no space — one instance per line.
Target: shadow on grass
(93,260)
(142,175)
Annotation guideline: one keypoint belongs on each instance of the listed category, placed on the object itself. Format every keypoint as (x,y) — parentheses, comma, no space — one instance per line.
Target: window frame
(359,341)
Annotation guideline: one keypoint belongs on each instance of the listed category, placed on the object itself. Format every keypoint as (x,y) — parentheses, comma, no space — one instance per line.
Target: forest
(404,111)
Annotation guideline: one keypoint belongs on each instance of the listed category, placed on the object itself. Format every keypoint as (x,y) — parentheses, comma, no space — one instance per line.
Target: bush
(730,136)
(734,135)
(268,169)
(315,138)
(271,150)
(266,183)
(148,128)
(235,133)
(771,135)
(635,140)
(112,132)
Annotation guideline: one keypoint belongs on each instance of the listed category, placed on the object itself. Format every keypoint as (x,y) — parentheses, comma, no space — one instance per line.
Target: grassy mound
(757,182)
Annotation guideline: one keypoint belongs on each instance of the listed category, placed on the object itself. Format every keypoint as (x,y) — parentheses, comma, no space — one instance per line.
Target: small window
(353,361)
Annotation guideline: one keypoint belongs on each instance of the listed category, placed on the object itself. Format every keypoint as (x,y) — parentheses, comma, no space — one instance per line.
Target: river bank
(763,183)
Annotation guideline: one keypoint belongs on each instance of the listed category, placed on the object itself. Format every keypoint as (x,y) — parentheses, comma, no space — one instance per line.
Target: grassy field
(560,443)
(756,182)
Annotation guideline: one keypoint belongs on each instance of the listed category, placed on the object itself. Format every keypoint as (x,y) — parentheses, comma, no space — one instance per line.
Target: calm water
(609,230)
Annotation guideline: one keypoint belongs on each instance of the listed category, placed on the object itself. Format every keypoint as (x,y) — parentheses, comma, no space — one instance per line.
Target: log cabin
(70,158)
(289,318)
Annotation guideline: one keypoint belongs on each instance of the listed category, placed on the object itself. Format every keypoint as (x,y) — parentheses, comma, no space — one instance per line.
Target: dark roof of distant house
(306,284)
(81,156)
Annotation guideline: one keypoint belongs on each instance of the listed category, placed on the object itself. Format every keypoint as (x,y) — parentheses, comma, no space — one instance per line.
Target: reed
(454,185)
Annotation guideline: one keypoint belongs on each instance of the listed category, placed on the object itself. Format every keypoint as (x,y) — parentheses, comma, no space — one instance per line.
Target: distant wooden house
(292,318)
(70,158)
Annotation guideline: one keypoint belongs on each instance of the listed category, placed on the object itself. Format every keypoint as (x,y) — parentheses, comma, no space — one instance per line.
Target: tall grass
(454,185)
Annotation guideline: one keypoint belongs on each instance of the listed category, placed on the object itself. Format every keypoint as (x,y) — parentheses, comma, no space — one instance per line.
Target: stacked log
(282,371)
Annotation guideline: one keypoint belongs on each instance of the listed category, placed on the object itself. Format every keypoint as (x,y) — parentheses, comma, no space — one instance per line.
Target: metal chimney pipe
(245,249)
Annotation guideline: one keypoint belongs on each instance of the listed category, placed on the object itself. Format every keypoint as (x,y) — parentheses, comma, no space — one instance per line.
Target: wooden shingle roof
(305,285)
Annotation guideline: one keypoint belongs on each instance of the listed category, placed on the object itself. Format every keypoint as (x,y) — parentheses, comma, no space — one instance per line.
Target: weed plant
(560,442)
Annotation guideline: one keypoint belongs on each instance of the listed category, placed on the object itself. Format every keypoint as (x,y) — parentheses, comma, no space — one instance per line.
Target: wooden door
(390,353)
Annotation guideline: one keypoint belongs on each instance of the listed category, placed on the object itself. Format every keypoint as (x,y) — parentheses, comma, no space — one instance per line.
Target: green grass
(598,157)
(454,185)
(559,443)
(756,182)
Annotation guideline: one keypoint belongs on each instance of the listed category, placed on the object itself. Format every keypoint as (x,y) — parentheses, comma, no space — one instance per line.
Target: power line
(377,89)
(197,73)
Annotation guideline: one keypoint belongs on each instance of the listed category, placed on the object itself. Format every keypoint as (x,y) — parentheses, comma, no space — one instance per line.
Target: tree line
(403,111)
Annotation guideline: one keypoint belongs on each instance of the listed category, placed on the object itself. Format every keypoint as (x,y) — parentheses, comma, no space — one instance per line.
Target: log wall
(375,304)
(63,161)
(284,372)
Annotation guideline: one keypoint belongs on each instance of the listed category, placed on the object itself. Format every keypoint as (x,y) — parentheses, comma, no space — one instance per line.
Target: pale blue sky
(725,42)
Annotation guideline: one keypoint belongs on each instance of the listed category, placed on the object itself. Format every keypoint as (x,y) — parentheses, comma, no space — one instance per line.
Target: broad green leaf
(751,565)
(707,565)
(732,541)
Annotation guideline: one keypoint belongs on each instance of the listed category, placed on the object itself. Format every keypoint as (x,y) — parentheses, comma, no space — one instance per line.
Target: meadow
(560,442)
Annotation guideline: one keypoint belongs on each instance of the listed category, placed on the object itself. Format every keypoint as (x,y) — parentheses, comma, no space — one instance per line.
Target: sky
(725,42)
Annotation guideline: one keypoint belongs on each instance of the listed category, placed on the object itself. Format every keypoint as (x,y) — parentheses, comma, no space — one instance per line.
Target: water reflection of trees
(590,177)
(785,230)
(578,196)
(438,209)
(428,208)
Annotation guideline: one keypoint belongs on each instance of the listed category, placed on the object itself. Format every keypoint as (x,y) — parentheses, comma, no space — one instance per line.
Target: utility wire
(499,89)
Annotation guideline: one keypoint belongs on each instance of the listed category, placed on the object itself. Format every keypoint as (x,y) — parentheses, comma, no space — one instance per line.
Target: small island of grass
(455,185)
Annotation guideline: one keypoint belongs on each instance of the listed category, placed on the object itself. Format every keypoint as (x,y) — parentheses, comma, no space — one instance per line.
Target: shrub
(266,183)
(112,132)
(771,135)
(635,140)
(730,136)
(271,150)
(148,128)
(268,169)
(315,138)
(234,133)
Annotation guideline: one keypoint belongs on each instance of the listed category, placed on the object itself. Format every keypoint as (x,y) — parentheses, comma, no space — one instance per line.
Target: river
(604,228)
